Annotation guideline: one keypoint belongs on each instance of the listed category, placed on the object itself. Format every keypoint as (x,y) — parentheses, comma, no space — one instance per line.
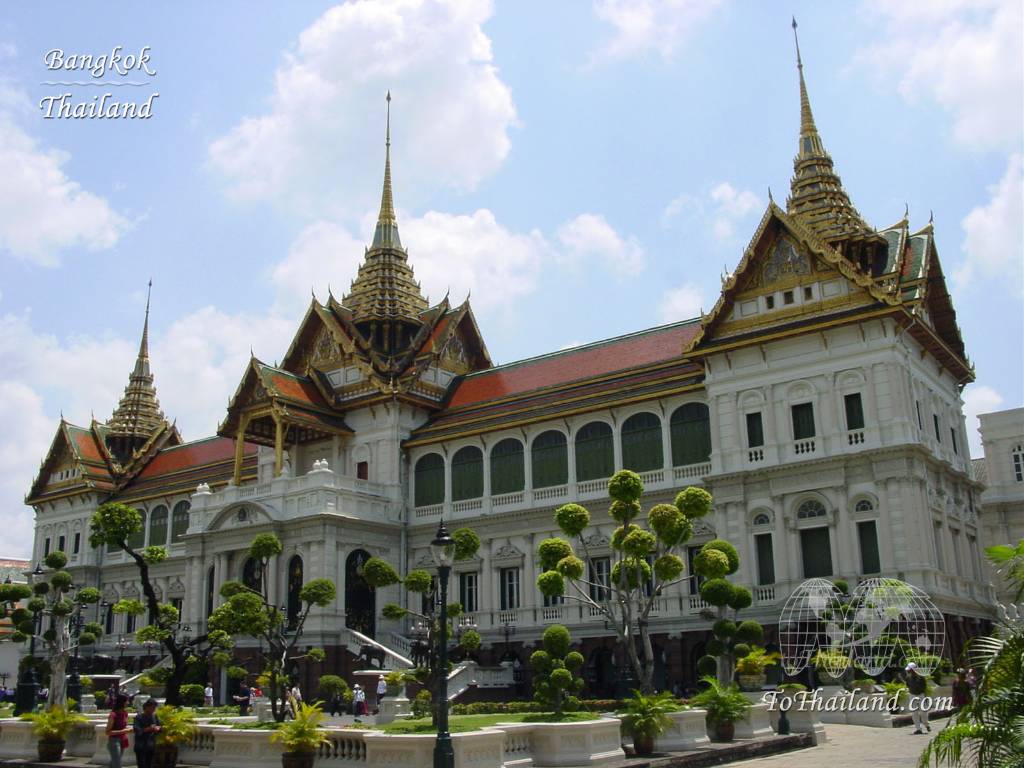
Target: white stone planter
(81,741)
(754,724)
(392,708)
(688,731)
(591,742)
(517,745)
(245,749)
(875,715)
(17,739)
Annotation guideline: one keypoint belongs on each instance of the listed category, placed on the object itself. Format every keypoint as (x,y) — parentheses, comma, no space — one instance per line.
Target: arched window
(211,590)
(761,519)
(641,443)
(294,588)
(595,454)
(690,429)
(179,521)
(549,459)
(429,480)
(467,473)
(507,473)
(138,539)
(251,574)
(810,509)
(158,527)
(864,505)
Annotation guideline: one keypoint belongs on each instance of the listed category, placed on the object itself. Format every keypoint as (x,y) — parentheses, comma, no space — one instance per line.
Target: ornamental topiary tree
(556,680)
(57,604)
(250,612)
(112,526)
(422,583)
(716,560)
(645,561)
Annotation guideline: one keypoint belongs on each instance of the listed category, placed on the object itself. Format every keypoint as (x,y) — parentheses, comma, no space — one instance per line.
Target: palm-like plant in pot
(724,704)
(645,718)
(751,663)
(177,726)
(301,737)
(52,727)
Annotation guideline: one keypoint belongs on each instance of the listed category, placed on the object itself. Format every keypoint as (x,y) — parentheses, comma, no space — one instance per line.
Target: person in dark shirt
(243,698)
(146,726)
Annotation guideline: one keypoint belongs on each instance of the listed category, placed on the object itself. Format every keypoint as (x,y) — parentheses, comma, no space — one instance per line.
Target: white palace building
(818,401)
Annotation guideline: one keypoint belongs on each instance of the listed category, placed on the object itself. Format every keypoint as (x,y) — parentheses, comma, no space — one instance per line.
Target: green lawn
(460,723)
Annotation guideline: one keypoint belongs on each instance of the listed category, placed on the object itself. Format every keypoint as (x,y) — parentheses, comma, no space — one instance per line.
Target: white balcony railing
(755,455)
(804,447)
(433,510)
(855,437)
(692,471)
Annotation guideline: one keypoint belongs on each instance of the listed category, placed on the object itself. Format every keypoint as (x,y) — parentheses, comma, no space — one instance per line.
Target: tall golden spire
(138,413)
(817,196)
(385,287)
(386,233)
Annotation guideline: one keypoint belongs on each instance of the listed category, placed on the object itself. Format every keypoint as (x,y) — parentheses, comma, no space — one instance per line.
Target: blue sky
(585,169)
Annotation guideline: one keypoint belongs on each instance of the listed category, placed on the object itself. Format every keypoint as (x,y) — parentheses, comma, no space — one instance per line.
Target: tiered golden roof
(385,287)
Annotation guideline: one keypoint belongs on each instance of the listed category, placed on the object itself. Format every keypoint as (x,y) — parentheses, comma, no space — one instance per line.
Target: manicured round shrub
(730,551)
(623,511)
(718,592)
(740,650)
(466,543)
(551,551)
(668,567)
(571,567)
(574,660)
(572,519)
(724,628)
(61,580)
(711,563)
(56,560)
(693,502)
(639,542)
(741,598)
(617,536)
(707,665)
(379,573)
(715,647)
(842,585)
(417,581)
(637,572)
(556,640)
(540,662)
(561,677)
(750,631)
(625,485)
(192,694)
(551,584)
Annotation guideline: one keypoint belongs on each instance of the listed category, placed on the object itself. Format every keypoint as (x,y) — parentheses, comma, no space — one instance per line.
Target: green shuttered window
(467,473)
(549,460)
(690,430)
(507,474)
(641,443)
(429,480)
(595,453)
(817,552)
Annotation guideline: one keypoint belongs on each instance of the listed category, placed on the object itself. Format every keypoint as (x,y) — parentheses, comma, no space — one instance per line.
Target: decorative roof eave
(86,468)
(929,338)
(166,433)
(806,237)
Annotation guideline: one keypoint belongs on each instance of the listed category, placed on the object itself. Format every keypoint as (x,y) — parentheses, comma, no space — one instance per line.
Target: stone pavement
(854,746)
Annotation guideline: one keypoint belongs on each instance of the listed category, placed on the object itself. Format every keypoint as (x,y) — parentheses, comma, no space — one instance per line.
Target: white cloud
(321,141)
(681,303)
(963,54)
(649,26)
(324,254)
(42,211)
(26,438)
(994,234)
(589,236)
(978,399)
(731,206)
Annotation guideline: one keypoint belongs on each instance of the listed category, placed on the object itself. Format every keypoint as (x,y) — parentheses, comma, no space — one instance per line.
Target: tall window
(957,562)
(920,421)
(972,555)
(507,474)
(935,422)
(601,578)
(690,431)
(940,561)
(137,539)
(509,583)
(816,549)
(854,411)
(867,534)
(468,591)
(211,589)
(129,623)
(694,579)
(429,480)
(765,558)
(251,574)
(755,430)
(61,541)
(641,443)
(158,527)
(952,436)
(803,421)
(549,460)
(78,543)
(179,521)
(595,454)
(294,589)
(108,621)
(467,473)
(1018,463)
(46,546)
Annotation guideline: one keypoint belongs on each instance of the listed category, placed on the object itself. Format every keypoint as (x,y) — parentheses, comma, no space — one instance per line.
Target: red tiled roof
(302,390)
(634,351)
(196,453)
(85,443)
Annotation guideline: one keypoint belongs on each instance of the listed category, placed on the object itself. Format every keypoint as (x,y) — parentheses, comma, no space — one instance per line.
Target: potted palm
(52,726)
(724,704)
(301,737)
(750,668)
(177,726)
(645,718)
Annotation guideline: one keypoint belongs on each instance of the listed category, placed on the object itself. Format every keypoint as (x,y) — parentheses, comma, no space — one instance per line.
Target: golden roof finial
(386,234)
(807,128)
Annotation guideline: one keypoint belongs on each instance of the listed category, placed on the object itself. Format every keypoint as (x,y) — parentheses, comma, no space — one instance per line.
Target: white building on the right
(1002,472)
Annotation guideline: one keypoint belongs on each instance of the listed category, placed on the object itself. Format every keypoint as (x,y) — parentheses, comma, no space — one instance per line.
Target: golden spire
(386,234)
(817,196)
(138,413)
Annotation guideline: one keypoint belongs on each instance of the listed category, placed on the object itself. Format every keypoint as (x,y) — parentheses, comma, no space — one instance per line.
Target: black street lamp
(508,628)
(28,686)
(75,681)
(442,548)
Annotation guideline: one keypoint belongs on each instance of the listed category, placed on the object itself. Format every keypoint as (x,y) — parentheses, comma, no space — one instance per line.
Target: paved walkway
(854,746)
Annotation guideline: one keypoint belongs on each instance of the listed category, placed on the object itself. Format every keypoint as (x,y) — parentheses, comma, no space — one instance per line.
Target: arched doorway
(600,673)
(294,589)
(360,606)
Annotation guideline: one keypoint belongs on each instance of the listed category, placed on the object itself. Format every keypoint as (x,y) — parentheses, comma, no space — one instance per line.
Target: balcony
(855,437)
(804,447)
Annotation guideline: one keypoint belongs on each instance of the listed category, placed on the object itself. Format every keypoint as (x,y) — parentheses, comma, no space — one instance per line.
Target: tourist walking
(243,698)
(146,726)
(382,689)
(117,730)
(208,695)
(916,687)
(359,701)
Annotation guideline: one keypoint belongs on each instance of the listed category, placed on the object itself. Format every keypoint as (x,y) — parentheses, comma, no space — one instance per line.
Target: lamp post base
(444,752)
(75,693)
(26,697)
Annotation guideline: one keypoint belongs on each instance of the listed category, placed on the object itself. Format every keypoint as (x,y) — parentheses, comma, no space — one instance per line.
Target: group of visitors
(145,727)
(963,686)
